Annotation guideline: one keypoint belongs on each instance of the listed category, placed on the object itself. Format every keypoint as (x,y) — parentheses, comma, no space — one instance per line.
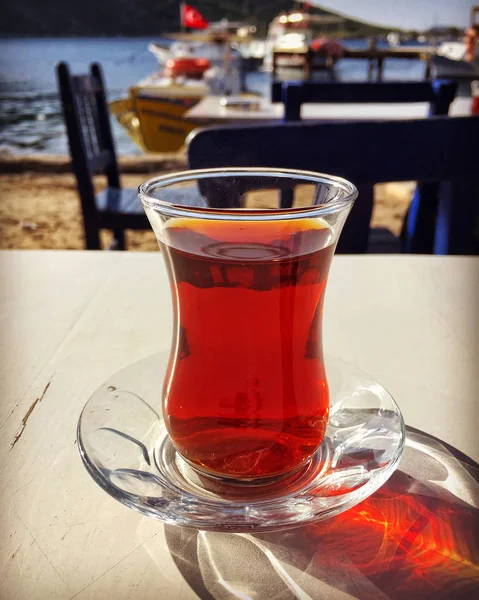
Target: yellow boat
(194,66)
(152,114)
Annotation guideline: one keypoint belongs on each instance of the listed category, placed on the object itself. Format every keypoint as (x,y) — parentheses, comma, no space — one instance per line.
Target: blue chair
(439,149)
(439,94)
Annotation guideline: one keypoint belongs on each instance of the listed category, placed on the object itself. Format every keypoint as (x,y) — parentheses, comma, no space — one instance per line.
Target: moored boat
(193,66)
(153,110)
(208,43)
(291,34)
(460,59)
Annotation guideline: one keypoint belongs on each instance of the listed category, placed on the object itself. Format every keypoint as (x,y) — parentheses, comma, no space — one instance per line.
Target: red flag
(190,17)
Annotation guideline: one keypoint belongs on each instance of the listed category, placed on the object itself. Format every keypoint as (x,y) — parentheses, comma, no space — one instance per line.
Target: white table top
(209,110)
(71,319)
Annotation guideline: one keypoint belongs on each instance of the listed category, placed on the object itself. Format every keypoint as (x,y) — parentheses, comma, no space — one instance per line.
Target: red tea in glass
(248,252)
(246,394)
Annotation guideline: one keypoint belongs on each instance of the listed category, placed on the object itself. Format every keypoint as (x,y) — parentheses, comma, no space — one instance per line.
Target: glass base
(125,447)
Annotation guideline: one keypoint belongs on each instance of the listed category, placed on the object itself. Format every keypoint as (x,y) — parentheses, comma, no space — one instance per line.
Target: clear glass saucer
(125,447)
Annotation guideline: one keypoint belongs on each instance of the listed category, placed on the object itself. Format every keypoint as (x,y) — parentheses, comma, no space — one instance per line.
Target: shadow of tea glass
(248,253)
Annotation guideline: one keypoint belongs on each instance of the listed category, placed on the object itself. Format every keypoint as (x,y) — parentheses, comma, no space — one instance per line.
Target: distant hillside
(137,17)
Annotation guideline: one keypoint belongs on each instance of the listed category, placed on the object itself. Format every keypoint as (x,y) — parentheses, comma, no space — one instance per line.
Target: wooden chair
(439,94)
(92,151)
(438,149)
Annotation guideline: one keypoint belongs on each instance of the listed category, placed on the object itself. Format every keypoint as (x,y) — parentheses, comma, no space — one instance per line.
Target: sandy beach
(39,206)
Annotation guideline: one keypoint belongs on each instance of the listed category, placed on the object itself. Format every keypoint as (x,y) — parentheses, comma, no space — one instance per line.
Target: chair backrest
(89,138)
(439,149)
(439,94)
(87,121)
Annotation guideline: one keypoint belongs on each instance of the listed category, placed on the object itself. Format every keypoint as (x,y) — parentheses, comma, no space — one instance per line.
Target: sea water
(30,112)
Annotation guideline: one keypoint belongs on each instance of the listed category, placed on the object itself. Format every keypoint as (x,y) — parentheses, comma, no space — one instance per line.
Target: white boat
(452,50)
(194,66)
(394,39)
(292,34)
(209,43)
(456,53)
(459,59)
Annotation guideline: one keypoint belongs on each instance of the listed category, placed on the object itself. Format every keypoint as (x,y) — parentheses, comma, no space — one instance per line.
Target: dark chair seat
(120,208)
(118,200)
(383,241)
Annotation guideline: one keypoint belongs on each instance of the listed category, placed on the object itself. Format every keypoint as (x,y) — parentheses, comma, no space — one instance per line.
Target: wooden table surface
(71,319)
(209,110)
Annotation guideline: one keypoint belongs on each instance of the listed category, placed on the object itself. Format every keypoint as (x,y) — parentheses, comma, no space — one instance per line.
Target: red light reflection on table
(405,544)
(412,539)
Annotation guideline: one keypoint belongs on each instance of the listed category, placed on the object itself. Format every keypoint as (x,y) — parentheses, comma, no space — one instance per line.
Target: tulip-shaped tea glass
(244,425)
(246,395)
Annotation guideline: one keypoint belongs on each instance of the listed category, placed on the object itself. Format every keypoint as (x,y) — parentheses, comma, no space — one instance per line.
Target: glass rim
(345,196)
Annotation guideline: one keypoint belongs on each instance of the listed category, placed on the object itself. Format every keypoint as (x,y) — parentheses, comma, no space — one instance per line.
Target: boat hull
(122,110)
(161,120)
(155,122)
